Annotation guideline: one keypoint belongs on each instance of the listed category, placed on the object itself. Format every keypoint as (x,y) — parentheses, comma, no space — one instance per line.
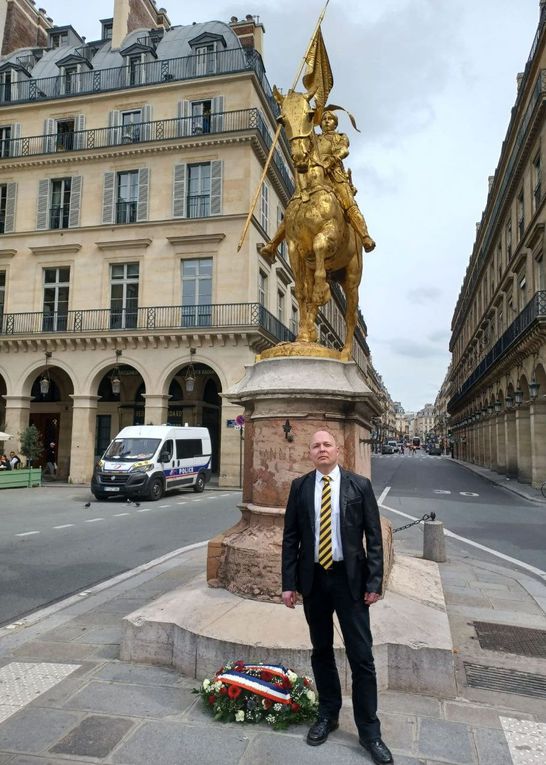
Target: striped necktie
(325,554)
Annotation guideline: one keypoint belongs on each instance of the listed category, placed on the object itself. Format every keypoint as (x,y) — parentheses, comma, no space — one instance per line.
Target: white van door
(167,459)
(189,453)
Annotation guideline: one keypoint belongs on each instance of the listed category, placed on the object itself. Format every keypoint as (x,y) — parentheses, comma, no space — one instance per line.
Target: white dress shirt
(335,483)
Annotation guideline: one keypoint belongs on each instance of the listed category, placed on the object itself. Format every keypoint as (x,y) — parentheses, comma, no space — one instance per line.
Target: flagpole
(278,132)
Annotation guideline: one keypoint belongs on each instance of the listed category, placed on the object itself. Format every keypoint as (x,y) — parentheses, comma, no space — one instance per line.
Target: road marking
(383,496)
(148,509)
(469,494)
(93,520)
(465,540)
(161,506)
(118,515)
(64,526)
(181,503)
(196,500)
(526,740)
(442,491)
(22,682)
(27,533)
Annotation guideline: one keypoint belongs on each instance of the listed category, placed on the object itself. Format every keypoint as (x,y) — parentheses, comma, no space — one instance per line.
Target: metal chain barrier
(426,517)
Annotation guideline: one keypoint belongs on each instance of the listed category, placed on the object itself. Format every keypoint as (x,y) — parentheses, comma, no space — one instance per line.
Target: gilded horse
(322,246)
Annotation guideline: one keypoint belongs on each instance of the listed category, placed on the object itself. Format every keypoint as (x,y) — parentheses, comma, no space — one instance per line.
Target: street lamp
(189,379)
(45,382)
(533,389)
(518,394)
(509,401)
(115,382)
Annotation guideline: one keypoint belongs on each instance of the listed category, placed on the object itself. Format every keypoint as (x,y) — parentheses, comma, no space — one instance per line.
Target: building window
(499,261)
(508,241)
(5,85)
(65,135)
(294,319)
(58,39)
(134,67)
(124,295)
(262,288)
(5,141)
(199,190)
(280,305)
(56,288)
(2,294)
(264,207)
(500,322)
(3,204)
(196,292)
(107,27)
(541,275)
(521,215)
(200,117)
(69,74)
(537,183)
(59,209)
(522,292)
(127,197)
(131,123)
(205,60)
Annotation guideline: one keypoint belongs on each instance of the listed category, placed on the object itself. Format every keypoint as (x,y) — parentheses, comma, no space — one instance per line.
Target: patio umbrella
(4,436)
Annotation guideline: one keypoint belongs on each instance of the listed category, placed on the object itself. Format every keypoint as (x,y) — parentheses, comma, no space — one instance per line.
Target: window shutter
(216,187)
(43,204)
(143,188)
(75,201)
(15,148)
(50,128)
(80,139)
(108,198)
(179,191)
(217,117)
(147,118)
(114,123)
(184,117)
(11,197)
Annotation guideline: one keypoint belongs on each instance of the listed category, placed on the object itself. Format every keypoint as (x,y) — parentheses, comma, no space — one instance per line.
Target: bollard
(434,543)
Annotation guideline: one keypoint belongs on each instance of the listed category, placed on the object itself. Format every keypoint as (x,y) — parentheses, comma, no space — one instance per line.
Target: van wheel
(199,484)
(156,490)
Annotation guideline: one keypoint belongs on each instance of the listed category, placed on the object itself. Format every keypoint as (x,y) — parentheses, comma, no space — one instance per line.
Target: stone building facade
(127,168)
(498,374)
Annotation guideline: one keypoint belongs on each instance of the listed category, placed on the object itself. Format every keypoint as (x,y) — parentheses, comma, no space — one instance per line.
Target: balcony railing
(150,73)
(102,320)
(534,311)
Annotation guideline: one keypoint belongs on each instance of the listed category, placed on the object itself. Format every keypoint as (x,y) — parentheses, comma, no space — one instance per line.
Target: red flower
(233,692)
(286,684)
(223,690)
(305,681)
(266,675)
(294,707)
(212,699)
(239,666)
(268,704)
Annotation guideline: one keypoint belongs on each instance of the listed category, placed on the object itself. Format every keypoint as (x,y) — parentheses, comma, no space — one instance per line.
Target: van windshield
(132,449)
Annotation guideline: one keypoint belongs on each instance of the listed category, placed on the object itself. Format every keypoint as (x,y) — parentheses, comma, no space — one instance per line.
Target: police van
(148,460)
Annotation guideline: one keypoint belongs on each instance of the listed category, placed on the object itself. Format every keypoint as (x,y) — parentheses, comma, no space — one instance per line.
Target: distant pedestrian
(14,461)
(51,459)
(4,462)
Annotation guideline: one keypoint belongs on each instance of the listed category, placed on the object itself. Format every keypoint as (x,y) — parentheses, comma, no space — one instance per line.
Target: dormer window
(69,75)
(134,67)
(5,85)
(58,39)
(206,48)
(107,27)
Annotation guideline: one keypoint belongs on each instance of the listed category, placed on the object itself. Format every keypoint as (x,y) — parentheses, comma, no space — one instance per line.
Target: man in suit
(328,513)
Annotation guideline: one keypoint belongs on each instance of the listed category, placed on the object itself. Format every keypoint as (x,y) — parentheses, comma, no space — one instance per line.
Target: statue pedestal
(286,400)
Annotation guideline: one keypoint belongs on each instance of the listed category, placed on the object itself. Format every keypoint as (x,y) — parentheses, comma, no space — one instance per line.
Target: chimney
(22,25)
(249,31)
(136,14)
(490,181)
(519,80)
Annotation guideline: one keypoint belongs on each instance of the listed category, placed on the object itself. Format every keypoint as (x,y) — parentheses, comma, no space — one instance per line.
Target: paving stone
(399,731)
(492,747)
(467,599)
(23,760)
(173,743)
(445,740)
(50,651)
(495,587)
(472,714)
(272,749)
(94,737)
(102,635)
(120,672)
(409,703)
(130,700)
(32,730)
(105,652)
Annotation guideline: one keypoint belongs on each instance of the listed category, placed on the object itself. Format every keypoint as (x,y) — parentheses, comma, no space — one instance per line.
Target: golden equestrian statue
(324,229)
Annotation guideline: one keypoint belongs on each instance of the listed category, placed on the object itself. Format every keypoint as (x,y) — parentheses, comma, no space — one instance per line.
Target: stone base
(196,629)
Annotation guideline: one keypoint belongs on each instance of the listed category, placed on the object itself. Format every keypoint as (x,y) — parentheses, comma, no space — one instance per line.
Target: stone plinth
(286,400)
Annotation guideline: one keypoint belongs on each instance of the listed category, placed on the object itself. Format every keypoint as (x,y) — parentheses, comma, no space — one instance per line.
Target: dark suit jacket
(359,517)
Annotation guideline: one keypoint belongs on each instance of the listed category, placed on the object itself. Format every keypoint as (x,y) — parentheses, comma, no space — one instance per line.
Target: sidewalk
(524,490)
(65,698)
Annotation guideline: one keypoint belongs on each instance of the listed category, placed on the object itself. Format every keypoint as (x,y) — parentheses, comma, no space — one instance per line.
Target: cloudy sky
(431,83)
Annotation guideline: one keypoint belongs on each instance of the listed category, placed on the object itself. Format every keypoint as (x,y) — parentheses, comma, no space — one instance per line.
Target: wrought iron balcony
(228,61)
(243,316)
(143,132)
(534,311)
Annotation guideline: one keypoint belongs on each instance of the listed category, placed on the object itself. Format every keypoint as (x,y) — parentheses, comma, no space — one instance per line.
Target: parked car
(387,449)
(435,450)
(395,447)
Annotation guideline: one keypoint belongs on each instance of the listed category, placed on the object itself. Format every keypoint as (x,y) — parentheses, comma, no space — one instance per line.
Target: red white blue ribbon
(256,685)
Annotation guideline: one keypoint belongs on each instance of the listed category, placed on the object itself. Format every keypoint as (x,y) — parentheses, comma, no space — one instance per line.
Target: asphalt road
(467,504)
(52,546)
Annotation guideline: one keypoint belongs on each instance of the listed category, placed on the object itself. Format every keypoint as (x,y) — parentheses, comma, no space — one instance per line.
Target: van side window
(186,448)
(167,451)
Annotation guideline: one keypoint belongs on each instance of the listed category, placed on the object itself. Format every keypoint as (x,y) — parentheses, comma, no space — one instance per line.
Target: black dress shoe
(319,730)
(379,751)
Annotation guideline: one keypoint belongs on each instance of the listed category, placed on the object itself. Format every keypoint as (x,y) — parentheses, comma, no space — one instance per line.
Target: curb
(495,482)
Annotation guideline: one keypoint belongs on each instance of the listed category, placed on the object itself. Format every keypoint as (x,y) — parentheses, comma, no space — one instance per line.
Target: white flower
(206,684)
(311,696)
(277,707)
(291,676)
(270,718)
(216,686)
(239,716)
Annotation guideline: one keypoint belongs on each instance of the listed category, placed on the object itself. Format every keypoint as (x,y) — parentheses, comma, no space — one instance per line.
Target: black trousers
(331,593)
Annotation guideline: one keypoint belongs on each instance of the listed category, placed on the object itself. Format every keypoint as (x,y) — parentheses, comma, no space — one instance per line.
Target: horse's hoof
(268,253)
(369,244)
